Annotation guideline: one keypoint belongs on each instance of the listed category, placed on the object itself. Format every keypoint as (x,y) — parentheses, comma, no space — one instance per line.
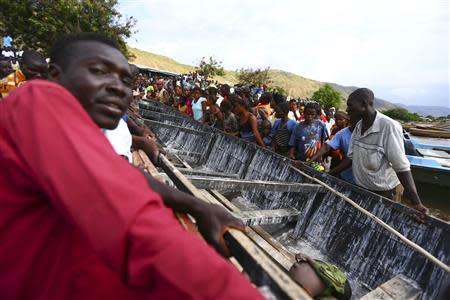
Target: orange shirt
(11,82)
(266,108)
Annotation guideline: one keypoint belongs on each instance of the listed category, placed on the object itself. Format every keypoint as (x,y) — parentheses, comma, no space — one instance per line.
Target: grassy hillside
(158,61)
(297,86)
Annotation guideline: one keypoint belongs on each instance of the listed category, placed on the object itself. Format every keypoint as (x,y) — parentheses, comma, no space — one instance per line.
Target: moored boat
(430,133)
(327,227)
(430,164)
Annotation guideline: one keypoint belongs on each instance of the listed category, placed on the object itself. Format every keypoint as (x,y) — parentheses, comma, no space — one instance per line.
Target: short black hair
(226,105)
(313,105)
(62,49)
(284,107)
(278,98)
(244,103)
(29,56)
(268,96)
(362,94)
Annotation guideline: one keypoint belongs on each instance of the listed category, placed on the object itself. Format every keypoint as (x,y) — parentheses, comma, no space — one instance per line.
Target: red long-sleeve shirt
(78,222)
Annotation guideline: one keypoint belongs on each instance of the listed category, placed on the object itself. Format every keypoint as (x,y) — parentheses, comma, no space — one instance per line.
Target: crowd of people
(299,129)
(78,219)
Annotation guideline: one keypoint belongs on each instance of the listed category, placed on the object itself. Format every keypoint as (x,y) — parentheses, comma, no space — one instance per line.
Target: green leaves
(251,76)
(327,96)
(401,114)
(37,24)
(212,67)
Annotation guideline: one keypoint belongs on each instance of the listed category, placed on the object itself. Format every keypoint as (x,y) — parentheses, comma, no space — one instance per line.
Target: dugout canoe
(430,133)
(327,227)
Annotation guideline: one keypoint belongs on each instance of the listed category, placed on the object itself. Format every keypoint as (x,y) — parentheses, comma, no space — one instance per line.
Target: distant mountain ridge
(423,110)
(297,86)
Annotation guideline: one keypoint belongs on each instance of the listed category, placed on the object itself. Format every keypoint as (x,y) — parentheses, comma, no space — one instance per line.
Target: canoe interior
(368,253)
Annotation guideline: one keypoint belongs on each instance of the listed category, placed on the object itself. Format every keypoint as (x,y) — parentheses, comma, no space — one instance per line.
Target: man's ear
(54,72)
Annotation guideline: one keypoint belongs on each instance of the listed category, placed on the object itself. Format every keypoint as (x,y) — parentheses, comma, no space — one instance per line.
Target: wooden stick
(404,239)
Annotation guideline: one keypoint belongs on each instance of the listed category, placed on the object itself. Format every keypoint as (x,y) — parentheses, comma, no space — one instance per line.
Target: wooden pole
(404,239)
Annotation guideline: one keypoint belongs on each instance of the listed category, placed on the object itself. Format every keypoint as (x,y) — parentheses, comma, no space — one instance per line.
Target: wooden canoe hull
(365,251)
(430,133)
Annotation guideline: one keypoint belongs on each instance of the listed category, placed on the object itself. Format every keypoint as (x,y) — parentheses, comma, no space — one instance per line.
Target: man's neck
(367,121)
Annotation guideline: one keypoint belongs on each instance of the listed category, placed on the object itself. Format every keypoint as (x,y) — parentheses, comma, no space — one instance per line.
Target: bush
(327,96)
(401,114)
(256,77)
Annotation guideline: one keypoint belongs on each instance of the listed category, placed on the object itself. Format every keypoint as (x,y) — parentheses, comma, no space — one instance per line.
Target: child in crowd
(308,136)
(248,124)
(282,129)
(187,100)
(198,104)
(294,113)
(264,104)
(213,115)
(230,122)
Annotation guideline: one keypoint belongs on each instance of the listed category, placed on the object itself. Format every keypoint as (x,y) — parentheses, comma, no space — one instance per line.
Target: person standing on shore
(377,152)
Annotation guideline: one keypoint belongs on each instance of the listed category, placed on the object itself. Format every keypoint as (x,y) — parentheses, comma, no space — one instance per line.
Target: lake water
(436,198)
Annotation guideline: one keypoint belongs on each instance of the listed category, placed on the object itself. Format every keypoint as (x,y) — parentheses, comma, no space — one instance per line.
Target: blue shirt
(305,136)
(290,126)
(341,140)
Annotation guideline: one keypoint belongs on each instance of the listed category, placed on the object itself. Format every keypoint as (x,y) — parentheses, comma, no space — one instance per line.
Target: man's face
(292,106)
(100,78)
(34,69)
(5,68)
(355,108)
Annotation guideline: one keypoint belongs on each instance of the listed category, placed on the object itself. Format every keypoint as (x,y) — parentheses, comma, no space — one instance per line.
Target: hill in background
(297,86)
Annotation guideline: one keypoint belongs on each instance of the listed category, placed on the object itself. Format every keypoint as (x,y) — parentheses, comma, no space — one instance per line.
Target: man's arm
(148,145)
(135,129)
(345,164)
(395,153)
(408,184)
(324,150)
(212,220)
(254,126)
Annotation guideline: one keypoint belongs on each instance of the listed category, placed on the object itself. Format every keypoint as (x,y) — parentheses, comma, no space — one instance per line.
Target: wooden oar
(404,239)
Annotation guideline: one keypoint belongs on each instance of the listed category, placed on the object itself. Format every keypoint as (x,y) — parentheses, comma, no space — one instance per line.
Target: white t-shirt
(121,139)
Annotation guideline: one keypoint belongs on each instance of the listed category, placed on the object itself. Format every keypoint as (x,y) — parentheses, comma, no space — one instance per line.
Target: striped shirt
(378,154)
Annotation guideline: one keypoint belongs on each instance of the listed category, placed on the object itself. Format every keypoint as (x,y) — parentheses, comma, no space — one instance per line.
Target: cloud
(383,44)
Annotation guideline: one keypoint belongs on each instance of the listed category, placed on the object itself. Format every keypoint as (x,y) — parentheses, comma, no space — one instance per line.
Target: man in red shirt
(76,220)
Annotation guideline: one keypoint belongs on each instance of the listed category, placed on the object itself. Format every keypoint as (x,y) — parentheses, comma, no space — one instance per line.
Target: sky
(399,49)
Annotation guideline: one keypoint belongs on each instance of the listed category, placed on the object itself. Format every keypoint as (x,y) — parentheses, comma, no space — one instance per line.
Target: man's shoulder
(38,85)
(387,122)
(38,93)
